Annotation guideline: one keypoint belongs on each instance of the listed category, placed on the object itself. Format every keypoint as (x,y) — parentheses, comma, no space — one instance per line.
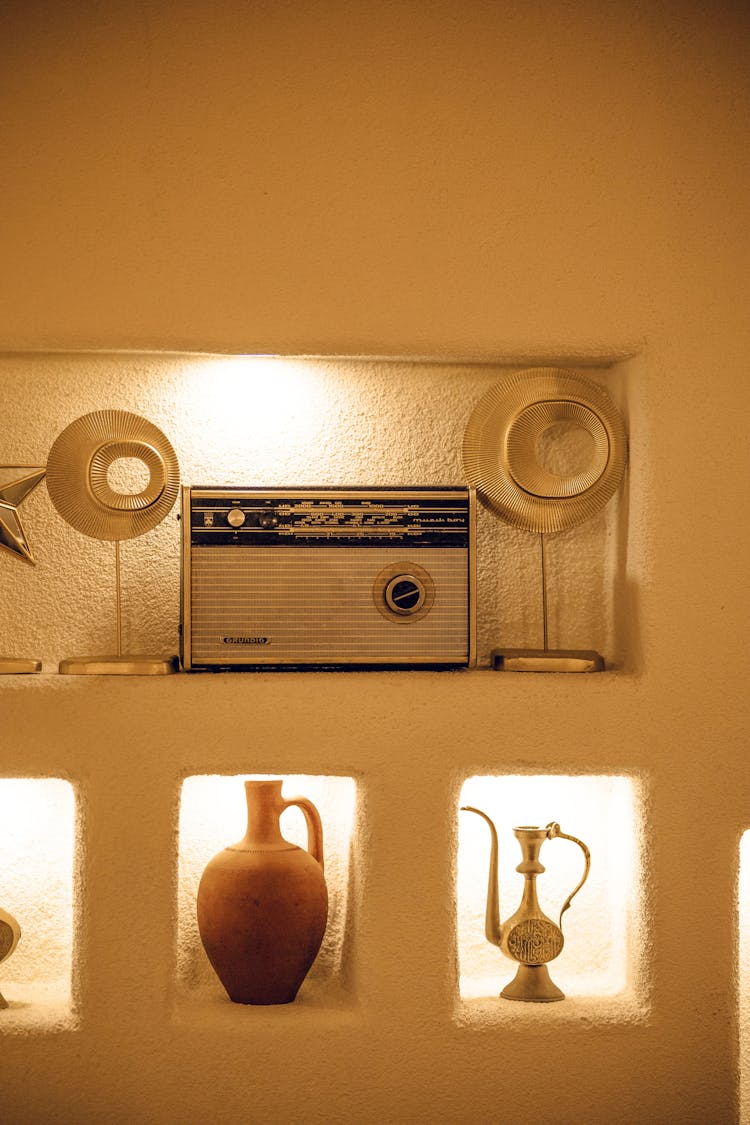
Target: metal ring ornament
(500,449)
(77,480)
(111,452)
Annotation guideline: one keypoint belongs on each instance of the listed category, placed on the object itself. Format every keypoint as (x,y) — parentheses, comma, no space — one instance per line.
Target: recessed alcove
(37,844)
(310,422)
(213,814)
(599,967)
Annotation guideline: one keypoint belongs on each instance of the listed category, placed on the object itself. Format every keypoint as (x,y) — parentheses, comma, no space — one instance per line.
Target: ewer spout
(492,927)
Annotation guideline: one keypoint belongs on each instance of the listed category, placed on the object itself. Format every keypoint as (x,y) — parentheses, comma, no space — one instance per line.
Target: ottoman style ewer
(528,937)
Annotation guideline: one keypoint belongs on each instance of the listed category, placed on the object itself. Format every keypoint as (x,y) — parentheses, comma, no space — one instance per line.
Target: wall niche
(599,967)
(37,863)
(270,422)
(213,815)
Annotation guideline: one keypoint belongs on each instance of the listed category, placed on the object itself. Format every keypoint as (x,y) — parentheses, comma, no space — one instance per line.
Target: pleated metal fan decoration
(79,486)
(502,461)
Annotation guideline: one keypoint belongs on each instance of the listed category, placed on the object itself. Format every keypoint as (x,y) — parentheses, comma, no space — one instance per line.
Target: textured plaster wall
(508,182)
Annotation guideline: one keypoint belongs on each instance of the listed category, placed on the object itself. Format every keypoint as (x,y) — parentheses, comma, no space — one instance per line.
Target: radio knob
(404,594)
(268,520)
(236,517)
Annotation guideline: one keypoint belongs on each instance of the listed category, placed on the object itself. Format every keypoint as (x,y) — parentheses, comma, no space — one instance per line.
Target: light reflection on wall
(213,814)
(250,411)
(36,882)
(599,957)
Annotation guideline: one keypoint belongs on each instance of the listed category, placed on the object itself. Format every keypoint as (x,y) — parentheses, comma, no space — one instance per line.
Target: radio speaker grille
(276,605)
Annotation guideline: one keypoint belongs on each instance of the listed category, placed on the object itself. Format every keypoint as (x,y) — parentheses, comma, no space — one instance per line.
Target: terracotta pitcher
(263,903)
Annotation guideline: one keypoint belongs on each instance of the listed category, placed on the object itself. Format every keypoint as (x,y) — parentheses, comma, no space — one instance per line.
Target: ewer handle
(314,826)
(554,832)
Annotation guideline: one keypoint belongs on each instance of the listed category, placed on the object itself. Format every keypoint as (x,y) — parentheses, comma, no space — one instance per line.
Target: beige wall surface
(505,182)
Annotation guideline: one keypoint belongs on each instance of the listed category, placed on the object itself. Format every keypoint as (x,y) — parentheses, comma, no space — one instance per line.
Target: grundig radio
(357,577)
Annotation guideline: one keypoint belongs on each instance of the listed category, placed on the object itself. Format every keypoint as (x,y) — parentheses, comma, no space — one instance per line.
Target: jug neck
(264,808)
(531,840)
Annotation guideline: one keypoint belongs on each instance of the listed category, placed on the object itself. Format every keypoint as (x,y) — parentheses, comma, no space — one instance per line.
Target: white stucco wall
(485,181)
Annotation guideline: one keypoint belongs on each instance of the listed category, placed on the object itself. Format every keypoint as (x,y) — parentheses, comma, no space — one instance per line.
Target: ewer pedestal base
(533,984)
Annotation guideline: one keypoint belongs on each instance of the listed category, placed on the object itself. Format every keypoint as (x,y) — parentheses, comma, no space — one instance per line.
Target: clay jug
(263,903)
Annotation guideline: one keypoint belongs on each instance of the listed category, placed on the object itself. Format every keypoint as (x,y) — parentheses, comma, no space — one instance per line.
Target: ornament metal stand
(118,664)
(545,659)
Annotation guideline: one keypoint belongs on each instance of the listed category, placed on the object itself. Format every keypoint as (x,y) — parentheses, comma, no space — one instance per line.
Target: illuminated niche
(213,814)
(36,886)
(600,957)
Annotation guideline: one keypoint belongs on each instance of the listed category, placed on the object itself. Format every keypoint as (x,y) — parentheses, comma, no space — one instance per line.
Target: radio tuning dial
(236,517)
(404,594)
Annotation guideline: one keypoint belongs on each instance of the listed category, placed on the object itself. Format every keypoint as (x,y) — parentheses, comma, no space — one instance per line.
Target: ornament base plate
(119,666)
(14,665)
(546,660)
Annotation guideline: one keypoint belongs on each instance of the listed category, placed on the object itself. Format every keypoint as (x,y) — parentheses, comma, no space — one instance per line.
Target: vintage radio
(327,577)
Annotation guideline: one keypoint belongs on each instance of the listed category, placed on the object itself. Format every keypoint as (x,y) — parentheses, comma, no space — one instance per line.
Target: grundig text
(245,640)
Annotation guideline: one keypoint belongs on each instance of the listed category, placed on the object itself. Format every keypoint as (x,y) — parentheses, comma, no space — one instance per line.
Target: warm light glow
(600,928)
(36,882)
(250,411)
(213,814)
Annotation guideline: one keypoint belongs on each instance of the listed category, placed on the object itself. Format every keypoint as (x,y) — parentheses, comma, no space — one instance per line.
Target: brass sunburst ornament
(79,486)
(501,453)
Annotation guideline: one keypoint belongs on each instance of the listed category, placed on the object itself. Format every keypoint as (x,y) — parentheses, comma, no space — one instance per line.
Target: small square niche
(599,966)
(36,887)
(213,815)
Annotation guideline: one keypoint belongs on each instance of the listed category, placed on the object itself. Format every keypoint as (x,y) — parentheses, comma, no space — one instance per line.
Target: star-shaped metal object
(14,488)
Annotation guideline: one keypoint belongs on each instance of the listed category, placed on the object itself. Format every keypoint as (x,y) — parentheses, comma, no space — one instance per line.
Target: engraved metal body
(355,577)
(528,937)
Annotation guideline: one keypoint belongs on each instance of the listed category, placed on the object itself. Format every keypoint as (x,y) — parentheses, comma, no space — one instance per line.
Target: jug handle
(554,832)
(314,826)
